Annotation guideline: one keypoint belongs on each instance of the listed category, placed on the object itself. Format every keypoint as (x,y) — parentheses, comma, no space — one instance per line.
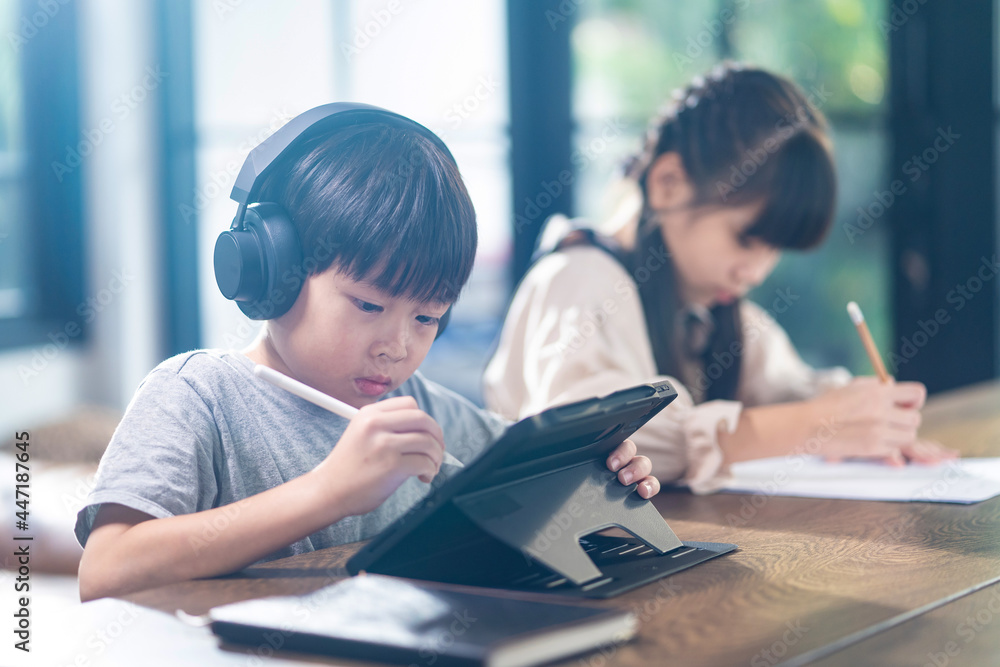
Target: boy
(212,469)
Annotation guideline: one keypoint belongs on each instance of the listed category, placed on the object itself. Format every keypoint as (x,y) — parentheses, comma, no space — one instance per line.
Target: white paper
(966,480)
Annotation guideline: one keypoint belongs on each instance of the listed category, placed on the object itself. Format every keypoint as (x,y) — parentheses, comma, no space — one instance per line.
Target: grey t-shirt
(202,432)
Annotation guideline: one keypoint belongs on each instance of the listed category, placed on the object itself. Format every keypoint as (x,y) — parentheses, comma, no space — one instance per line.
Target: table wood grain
(813,580)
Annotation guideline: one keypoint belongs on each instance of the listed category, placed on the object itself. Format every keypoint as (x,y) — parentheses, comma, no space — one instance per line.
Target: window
(15,283)
(41,250)
(444,66)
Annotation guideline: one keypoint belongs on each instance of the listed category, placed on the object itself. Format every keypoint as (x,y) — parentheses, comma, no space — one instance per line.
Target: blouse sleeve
(773,371)
(575,329)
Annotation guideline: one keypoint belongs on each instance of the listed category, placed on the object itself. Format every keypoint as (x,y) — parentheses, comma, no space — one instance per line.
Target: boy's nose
(393,346)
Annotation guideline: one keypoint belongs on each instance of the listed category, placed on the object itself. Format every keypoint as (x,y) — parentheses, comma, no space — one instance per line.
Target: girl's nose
(758,266)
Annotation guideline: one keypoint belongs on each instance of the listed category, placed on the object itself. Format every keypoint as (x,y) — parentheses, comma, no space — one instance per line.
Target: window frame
(53,205)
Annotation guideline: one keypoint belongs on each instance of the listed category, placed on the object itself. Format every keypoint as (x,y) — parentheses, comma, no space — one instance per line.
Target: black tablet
(526,513)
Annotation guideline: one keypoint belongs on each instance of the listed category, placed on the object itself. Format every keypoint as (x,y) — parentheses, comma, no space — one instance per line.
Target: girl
(664,296)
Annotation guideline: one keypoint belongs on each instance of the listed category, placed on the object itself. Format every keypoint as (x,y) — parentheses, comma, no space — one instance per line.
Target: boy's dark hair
(744,136)
(383,204)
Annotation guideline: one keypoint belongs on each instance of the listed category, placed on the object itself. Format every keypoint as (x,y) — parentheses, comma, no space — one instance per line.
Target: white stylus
(317,397)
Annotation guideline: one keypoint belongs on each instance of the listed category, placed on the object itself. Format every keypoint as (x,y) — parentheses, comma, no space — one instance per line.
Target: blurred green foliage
(638,51)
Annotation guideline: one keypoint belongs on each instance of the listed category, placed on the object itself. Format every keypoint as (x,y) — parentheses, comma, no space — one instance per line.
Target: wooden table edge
(838,645)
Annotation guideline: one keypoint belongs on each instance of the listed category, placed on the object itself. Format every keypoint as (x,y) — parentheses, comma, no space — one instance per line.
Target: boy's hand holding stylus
(404,442)
(385,443)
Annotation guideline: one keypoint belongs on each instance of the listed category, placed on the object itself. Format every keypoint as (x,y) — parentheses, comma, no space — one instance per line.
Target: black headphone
(262,247)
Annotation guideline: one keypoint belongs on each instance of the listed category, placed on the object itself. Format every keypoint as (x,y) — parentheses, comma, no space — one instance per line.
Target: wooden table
(834,582)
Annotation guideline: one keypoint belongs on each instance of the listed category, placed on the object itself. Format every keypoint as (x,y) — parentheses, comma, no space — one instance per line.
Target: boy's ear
(667,185)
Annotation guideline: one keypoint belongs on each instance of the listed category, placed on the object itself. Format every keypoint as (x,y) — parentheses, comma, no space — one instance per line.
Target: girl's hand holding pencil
(872,419)
(876,417)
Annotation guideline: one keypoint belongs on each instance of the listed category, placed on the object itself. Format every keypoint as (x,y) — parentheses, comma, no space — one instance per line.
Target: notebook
(386,619)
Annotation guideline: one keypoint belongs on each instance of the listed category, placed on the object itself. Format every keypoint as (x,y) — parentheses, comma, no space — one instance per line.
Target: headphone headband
(261,159)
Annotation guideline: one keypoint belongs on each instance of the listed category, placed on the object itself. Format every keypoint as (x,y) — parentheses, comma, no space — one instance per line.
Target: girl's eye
(366,307)
(428,320)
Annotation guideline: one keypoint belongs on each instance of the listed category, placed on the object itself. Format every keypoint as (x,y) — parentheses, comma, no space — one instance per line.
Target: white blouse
(576,329)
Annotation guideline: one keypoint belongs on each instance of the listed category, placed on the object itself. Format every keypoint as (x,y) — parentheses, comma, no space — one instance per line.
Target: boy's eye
(366,307)
(744,241)
(428,320)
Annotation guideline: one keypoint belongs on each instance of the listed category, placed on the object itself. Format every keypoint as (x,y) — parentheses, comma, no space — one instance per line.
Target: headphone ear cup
(443,322)
(260,266)
(238,265)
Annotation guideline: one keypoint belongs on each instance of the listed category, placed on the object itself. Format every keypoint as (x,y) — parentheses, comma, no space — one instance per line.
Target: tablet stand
(545,516)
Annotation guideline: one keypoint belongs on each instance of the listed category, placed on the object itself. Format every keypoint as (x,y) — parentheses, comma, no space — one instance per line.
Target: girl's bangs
(800,189)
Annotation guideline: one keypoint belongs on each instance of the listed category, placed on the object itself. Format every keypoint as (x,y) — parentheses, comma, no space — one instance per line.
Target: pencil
(866,339)
(317,397)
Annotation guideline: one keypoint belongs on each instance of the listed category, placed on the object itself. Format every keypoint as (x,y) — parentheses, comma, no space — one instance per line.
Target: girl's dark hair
(384,204)
(744,136)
